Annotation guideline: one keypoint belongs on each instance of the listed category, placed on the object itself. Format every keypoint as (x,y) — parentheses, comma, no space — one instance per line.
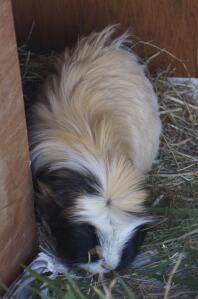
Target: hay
(177,163)
(34,69)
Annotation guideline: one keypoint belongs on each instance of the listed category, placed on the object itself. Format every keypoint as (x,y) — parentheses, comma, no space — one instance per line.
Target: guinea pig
(94,133)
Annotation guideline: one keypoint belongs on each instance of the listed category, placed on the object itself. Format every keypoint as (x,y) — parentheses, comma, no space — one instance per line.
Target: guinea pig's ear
(55,191)
(44,199)
(50,186)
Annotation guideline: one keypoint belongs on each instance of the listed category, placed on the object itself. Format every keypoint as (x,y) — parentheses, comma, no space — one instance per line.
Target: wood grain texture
(170,24)
(17,226)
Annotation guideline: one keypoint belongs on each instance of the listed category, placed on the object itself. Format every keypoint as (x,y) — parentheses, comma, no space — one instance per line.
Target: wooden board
(17,226)
(169,24)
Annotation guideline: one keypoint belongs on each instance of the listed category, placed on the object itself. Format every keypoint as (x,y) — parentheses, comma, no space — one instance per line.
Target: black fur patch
(66,185)
(131,248)
(56,193)
(74,240)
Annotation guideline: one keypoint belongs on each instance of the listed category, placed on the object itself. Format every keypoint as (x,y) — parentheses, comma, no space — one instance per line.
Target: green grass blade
(70,295)
(130,294)
(74,286)
(100,294)
(3,286)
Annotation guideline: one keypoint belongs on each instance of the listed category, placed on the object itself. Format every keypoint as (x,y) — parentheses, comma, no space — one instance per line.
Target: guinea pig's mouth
(96,263)
(96,267)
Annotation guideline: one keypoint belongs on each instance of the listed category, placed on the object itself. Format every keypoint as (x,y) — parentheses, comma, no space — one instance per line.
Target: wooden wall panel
(17,226)
(170,24)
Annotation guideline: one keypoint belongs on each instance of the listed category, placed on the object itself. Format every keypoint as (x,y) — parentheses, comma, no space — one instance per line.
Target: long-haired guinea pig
(94,133)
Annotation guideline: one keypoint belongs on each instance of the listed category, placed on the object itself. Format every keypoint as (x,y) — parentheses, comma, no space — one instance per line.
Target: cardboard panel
(17,225)
(169,24)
